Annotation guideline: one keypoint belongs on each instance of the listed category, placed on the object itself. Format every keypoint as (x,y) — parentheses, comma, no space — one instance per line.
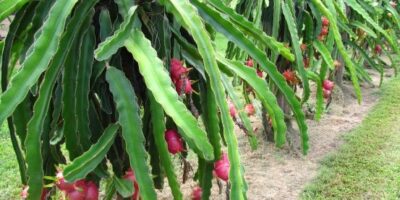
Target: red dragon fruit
(290,77)
(79,193)
(326,93)
(249,109)
(197,192)
(174,141)
(328,85)
(79,190)
(325,21)
(184,82)
(378,49)
(62,184)
(92,192)
(24,192)
(260,73)
(221,167)
(232,110)
(177,69)
(76,195)
(324,31)
(250,62)
(130,175)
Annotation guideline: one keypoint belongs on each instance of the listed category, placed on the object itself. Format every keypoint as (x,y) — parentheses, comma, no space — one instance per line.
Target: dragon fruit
(174,141)
(221,167)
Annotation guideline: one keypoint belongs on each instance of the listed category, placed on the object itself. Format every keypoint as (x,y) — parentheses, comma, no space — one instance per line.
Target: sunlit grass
(368,165)
(10,183)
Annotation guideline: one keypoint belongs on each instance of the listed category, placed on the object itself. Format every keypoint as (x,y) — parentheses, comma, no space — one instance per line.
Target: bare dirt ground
(273,174)
(4,25)
(281,174)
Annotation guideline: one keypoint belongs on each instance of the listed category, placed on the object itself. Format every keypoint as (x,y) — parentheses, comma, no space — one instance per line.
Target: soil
(4,25)
(273,173)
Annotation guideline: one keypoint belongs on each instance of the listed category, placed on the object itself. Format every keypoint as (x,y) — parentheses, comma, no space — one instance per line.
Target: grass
(368,165)
(10,183)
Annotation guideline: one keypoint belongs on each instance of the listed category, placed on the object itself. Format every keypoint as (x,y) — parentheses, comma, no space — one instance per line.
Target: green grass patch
(10,183)
(367,166)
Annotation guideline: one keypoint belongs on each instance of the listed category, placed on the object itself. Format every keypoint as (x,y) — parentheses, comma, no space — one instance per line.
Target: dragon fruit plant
(123,84)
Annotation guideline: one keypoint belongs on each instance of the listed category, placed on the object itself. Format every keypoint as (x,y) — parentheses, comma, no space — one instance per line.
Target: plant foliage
(97,77)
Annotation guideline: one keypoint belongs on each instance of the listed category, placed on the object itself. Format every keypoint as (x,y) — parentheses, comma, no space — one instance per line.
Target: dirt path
(367,165)
(278,174)
(273,174)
